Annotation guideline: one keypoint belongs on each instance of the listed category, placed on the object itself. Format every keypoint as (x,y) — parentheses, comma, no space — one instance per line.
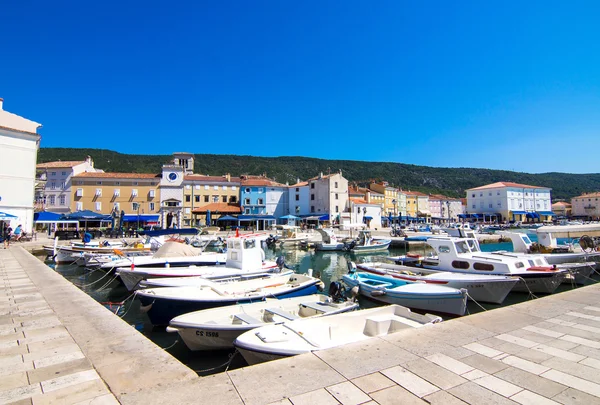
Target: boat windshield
(526,239)
(473,245)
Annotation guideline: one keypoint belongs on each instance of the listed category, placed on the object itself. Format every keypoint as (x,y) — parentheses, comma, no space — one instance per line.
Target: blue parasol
(208,219)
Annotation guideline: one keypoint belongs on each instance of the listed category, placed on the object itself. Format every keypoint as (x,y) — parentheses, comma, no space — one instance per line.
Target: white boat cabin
(244,253)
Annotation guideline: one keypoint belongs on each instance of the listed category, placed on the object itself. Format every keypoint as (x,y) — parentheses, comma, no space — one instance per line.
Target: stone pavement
(57,345)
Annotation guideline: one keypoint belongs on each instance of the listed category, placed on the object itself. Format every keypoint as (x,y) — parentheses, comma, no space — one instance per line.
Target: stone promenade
(57,345)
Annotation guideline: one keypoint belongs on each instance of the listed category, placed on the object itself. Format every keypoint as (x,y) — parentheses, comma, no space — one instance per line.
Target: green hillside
(449,181)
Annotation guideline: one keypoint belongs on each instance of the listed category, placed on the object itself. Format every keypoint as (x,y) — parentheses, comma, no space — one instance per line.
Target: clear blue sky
(502,85)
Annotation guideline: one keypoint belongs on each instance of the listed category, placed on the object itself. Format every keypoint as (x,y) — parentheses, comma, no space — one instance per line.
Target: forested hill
(449,181)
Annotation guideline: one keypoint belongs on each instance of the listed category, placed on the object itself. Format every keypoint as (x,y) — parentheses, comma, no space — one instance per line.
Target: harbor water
(328,266)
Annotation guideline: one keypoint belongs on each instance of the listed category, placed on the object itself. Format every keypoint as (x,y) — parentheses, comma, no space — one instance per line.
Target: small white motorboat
(481,287)
(244,257)
(416,295)
(217,328)
(330,241)
(308,335)
(165,303)
(367,244)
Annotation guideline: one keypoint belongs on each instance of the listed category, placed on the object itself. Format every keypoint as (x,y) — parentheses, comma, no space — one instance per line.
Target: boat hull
(540,283)
(161,310)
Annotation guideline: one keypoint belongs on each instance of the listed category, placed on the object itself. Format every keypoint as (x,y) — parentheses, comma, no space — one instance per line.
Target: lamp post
(394,203)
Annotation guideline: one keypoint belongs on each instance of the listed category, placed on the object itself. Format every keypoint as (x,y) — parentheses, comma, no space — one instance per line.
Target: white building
(171,189)
(58,176)
(586,206)
(507,201)
(19,144)
(362,212)
(328,195)
(298,199)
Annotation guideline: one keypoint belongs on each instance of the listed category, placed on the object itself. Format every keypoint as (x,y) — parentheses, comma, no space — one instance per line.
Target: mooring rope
(226,364)
(478,304)
(531,294)
(109,281)
(94,282)
(130,305)
(167,348)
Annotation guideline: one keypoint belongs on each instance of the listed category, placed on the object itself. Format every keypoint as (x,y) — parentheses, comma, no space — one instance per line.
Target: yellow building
(218,194)
(390,194)
(417,205)
(135,194)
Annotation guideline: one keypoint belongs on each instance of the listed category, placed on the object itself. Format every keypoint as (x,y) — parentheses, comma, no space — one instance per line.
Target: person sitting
(18,232)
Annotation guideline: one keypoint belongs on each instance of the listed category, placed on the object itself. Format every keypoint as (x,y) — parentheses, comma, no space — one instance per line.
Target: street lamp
(136,206)
(394,203)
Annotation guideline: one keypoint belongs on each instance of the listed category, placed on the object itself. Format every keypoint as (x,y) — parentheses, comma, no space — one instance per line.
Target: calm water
(329,266)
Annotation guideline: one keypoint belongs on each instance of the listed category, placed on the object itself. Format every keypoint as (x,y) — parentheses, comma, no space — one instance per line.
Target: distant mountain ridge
(448,181)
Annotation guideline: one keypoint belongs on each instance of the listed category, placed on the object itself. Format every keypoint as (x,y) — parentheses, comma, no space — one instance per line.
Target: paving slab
(347,394)
(531,382)
(373,382)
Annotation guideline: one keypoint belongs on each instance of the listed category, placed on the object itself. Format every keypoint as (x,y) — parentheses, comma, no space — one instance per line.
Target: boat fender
(378,293)
(170,329)
(354,292)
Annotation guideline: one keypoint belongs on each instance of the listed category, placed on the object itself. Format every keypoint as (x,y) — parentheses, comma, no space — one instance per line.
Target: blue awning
(254,217)
(474,215)
(324,217)
(87,215)
(141,217)
(46,216)
(368,218)
(519,212)
(547,213)
(532,215)
(462,215)
(227,218)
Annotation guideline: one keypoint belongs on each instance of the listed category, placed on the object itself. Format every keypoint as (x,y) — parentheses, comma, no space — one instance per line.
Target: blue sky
(445,84)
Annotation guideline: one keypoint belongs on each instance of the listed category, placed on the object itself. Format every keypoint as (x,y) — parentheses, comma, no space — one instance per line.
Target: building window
(53,173)
(474,206)
(312,197)
(151,194)
(491,206)
(473,195)
(134,192)
(234,188)
(117,206)
(197,187)
(312,185)
(117,183)
(232,199)
(188,210)
(246,190)
(98,206)
(215,188)
(224,188)
(297,197)
(52,186)
(335,185)
(224,198)
(247,211)
(98,183)
(312,208)
(62,200)
(79,206)
(206,186)
(187,186)
(63,185)
(297,189)
(151,205)
(499,203)
(247,201)
(188,198)
(336,196)
(260,201)
(79,192)
(135,183)
(52,200)
(205,198)
(98,192)
(117,192)
(197,198)
(337,209)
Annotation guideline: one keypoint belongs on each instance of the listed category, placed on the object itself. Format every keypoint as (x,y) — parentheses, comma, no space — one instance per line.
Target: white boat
(170,254)
(309,335)
(165,303)
(217,328)
(329,242)
(481,287)
(464,255)
(290,236)
(461,230)
(94,259)
(588,259)
(366,243)
(74,253)
(415,295)
(244,257)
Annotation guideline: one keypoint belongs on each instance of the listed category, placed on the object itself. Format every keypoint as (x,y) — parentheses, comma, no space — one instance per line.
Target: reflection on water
(329,266)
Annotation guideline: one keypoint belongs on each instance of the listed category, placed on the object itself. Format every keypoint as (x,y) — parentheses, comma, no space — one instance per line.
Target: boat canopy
(570,231)
(170,231)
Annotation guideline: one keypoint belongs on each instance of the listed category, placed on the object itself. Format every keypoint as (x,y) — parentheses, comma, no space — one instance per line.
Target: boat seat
(245,318)
(281,313)
(319,306)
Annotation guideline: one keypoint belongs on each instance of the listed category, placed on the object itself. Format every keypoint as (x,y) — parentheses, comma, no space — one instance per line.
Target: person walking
(18,232)
(6,236)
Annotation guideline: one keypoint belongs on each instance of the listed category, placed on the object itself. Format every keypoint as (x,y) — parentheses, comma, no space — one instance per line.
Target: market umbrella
(289,216)
(4,215)
(227,218)
(208,218)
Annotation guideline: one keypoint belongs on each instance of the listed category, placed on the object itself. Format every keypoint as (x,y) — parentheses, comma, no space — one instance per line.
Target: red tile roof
(595,195)
(259,181)
(501,184)
(221,207)
(201,177)
(103,175)
(562,203)
(59,164)
(415,193)
(358,201)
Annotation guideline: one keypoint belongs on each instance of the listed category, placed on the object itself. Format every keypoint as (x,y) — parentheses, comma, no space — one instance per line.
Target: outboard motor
(280,261)
(351,267)
(337,291)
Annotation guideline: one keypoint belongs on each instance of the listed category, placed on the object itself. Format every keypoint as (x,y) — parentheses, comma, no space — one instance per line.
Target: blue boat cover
(170,231)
